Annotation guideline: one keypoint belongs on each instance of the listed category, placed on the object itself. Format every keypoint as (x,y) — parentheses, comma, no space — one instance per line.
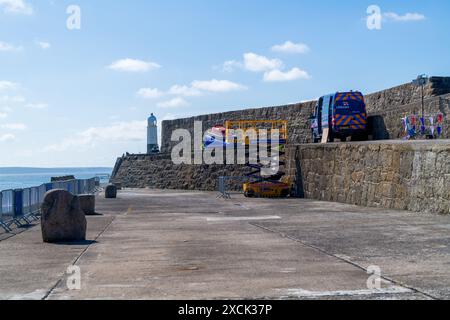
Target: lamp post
(421,81)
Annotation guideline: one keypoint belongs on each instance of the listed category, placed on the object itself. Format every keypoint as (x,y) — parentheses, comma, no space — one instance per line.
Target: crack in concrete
(386,278)
(50,291)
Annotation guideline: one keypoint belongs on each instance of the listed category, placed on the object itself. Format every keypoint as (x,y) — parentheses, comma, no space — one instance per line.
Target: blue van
(344,114)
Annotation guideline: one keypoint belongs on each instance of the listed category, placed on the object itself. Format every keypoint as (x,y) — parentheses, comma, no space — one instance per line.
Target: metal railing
(20,207)
(226,190)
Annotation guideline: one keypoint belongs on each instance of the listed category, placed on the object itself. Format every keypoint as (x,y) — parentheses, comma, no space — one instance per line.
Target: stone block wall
(385,109)
(159,172)
(297,115)
(406,94)
(386,124)
(401,175)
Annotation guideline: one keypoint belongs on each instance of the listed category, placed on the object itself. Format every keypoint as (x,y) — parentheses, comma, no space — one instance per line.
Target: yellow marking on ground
(129,211)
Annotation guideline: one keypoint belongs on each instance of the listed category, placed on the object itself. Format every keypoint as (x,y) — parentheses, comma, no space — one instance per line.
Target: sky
(79,78)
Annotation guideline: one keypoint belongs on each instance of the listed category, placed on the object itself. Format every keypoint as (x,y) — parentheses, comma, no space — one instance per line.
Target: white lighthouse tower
(152,135)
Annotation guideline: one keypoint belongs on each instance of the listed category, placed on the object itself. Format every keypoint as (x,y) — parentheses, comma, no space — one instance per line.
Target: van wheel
(331,137)
(249,194)
(360,137)
(284,194)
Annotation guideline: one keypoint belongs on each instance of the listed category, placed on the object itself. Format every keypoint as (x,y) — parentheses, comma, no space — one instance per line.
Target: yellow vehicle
(267,189)
(251,133)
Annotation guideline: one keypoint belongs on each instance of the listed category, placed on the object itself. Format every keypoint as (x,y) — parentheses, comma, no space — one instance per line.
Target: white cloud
(195,89)
(132,65)
(39,106)
(7,47)
(12,99)
(290,47)
(257,63)
(404,18)
(217,85)
(272,68)
(134,131)
(149,93)
(229,66)
(185,91)
(14,126)
(173,103)
(7,137)
(5,111)
(16,6)
(278,75)
(7,102)
(44,45)
(8,85)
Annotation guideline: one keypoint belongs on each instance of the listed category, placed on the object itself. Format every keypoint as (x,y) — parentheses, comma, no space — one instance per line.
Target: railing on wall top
(20,206)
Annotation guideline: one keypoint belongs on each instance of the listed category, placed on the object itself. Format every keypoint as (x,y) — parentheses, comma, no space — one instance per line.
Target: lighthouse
(152,135)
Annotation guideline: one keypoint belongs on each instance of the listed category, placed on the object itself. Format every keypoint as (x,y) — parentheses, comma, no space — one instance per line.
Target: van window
(349,103)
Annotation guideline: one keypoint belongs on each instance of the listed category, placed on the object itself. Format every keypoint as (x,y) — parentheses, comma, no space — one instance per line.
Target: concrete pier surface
(154,244)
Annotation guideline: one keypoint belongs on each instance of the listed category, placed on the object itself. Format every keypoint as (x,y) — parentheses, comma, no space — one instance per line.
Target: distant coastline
(24,177)
(22,170)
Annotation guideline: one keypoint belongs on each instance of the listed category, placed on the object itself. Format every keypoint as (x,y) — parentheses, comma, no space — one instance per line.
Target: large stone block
(62,218)
(87,204)
(111,192)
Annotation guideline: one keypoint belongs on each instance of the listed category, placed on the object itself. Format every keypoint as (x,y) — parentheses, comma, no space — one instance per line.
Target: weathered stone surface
(385,108)
(62,218)
(87,204)
(396,174)
(297,115)
(111,192)
(158,171)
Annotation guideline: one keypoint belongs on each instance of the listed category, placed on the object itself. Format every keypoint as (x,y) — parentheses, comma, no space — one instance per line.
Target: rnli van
(343,114)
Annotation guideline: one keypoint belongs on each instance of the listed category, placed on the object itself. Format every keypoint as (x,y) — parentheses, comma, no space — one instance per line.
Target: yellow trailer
(267,189)
(271,187)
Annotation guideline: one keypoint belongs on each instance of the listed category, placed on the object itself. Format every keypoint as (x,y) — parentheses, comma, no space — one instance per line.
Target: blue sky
(81,97)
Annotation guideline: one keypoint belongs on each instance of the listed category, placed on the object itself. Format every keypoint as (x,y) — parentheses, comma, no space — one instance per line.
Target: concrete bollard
(62,218)
(87,204)
(111,192)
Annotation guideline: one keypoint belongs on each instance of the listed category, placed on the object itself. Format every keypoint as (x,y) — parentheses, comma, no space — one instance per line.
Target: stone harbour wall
(406,94)
(385,109)
(386,124)
(412,176)
(405,175)
(159,172)
(297,115)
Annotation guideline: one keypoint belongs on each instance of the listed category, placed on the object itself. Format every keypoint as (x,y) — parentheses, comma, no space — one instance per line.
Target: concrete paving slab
(153,244)
(29,268)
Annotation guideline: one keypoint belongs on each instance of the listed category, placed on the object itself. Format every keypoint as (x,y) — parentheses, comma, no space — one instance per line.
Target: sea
(18,178)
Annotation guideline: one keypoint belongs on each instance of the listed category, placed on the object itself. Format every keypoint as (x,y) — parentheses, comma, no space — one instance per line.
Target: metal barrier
(223,185)
(21,206)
